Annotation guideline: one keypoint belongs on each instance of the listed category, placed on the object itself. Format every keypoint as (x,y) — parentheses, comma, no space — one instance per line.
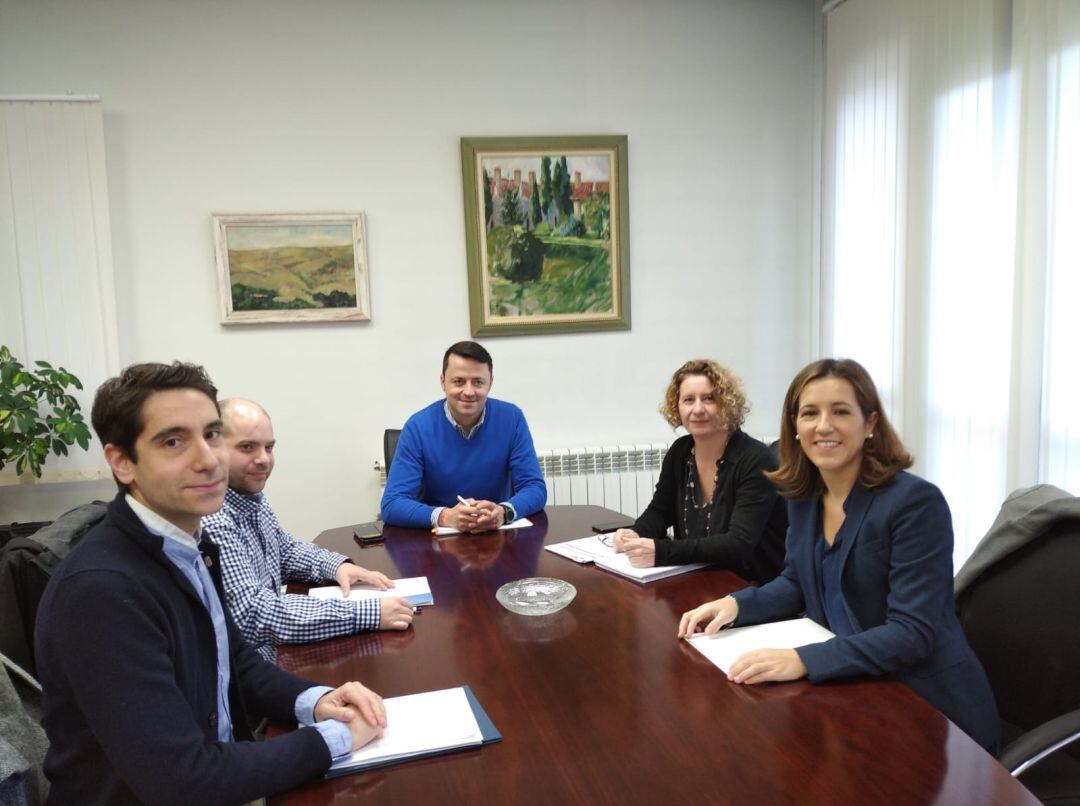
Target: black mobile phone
(368,533)
(612,526)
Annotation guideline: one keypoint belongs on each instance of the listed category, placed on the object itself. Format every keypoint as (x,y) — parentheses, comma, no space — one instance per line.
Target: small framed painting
(292,267)
(547,233)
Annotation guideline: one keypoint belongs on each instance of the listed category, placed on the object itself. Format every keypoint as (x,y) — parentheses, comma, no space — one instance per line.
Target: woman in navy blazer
(868,555)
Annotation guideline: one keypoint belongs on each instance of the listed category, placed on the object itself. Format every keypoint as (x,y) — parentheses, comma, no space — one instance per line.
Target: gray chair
(1019,603)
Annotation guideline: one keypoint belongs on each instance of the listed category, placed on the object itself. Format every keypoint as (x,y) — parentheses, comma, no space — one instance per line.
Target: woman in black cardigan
(712,488)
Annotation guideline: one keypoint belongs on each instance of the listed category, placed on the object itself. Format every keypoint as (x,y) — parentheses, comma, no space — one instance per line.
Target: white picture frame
(291,267)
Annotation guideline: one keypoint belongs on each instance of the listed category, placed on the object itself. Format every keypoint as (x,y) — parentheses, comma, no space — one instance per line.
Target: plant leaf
(28,435)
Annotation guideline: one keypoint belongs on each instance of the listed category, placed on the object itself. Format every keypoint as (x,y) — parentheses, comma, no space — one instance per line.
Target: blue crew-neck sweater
(434,464)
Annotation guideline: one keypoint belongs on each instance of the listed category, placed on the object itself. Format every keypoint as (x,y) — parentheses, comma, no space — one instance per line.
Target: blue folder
(488,733)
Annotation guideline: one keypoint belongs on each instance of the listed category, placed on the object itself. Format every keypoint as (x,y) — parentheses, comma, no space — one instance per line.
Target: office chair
(26,565)
(1020,615)
(389,446)
(9,531)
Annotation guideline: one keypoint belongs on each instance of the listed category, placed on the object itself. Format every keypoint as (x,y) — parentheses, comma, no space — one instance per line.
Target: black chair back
(26,566)
(1022,618)
(774,447)
(389,446)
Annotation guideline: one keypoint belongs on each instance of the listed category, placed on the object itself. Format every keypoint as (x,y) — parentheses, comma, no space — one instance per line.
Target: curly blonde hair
(727,388)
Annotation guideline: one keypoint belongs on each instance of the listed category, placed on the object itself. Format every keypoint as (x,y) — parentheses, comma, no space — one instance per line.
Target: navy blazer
(897,588)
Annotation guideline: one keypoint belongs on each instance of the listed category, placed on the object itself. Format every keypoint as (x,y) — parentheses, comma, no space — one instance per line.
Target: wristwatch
(508,514)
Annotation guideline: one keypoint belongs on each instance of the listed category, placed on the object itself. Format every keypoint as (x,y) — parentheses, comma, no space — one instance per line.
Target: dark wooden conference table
(600,703)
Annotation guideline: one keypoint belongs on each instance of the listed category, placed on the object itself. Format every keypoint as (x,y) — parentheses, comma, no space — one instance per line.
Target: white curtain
(949,246)
(57,302)
(1051,57)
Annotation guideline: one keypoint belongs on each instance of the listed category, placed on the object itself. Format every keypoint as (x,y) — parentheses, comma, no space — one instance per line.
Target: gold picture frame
(547,232)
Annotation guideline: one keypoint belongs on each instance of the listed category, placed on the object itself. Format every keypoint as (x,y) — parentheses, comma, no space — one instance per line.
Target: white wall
(284,106)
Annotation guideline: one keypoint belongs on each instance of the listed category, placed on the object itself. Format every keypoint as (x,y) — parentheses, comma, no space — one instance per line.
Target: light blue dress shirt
(182,550)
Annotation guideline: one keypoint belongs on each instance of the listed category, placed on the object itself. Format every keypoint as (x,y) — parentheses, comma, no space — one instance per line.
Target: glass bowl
(536,596)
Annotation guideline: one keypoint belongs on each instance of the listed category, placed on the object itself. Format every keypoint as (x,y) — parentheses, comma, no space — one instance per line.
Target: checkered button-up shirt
(257,556)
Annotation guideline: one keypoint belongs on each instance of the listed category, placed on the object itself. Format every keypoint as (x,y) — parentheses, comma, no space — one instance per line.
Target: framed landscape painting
(546,233)
(292,267)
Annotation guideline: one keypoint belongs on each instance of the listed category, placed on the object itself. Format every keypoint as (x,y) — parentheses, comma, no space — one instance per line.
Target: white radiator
(619,477)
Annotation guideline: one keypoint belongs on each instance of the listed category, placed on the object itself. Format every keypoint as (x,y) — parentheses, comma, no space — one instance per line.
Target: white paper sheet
(726,646)
(415,589)
(520,523)
(620,564)
(420,723)
(582,550)
(592,549)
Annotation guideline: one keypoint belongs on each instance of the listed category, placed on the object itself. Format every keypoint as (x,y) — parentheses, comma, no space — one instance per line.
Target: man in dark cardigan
(147,683)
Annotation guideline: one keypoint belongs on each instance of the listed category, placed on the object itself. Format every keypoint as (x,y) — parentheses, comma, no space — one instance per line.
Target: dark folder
(488,732)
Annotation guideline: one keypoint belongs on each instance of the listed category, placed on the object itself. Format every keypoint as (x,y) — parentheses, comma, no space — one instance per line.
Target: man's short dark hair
(470,350)
(117,414)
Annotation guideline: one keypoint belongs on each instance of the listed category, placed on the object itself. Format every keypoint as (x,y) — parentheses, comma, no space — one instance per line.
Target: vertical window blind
(56,267)
(949,245)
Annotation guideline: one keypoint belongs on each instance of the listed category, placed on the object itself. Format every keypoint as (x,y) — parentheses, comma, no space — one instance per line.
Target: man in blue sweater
(467,447)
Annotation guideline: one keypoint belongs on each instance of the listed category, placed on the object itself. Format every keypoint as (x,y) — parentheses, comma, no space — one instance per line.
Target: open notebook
(726,646)
(415,589)
(592,550)
(422,725)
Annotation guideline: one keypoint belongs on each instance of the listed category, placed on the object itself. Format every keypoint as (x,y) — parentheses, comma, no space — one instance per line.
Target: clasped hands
(360,708)
(641,551)
(395,613)
(755,666)
(472,516)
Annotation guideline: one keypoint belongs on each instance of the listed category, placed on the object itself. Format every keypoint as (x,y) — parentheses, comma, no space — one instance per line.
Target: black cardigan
(748,525)
(127,658)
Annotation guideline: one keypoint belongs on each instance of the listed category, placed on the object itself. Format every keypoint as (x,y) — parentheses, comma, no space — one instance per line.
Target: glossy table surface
(600,703)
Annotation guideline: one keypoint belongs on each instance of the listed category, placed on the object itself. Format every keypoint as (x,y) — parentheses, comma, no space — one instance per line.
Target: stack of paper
(415,589)
(592,550)
(520,523)
(726,646)
(422,725)
(583,550)
(620,564)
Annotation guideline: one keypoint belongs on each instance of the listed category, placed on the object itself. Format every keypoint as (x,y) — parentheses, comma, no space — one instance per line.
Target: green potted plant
(26,434)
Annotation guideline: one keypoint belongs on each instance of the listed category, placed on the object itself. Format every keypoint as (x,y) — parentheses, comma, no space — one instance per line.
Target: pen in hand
(482,511)
(469,503)
(463,502)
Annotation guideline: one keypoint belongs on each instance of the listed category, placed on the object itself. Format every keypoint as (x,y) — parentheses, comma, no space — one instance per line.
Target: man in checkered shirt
(257,555)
